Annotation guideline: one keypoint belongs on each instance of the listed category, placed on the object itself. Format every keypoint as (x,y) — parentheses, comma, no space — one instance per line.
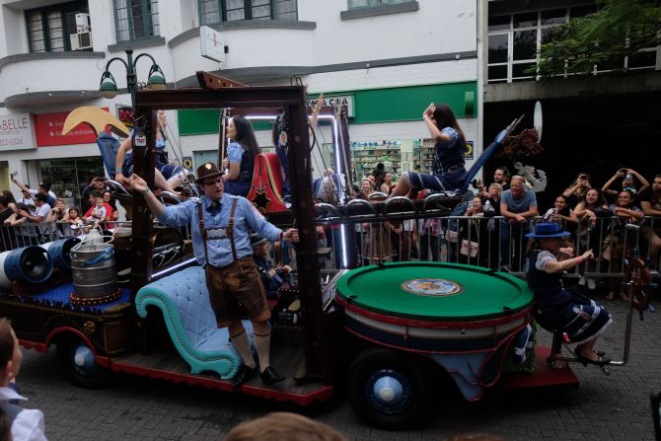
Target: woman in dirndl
(556,308)
(449,151)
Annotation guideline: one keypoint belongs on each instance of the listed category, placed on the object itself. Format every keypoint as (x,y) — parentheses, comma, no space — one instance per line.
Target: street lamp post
(143,164)
(108,85)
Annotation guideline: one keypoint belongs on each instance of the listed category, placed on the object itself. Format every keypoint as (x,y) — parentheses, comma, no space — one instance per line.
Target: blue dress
(167,170)
(241,186)
(448,165)
(558,309)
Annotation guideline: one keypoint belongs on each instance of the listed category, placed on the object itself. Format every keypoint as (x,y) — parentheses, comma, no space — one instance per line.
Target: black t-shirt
(4,215)
(648,195)
(506,186)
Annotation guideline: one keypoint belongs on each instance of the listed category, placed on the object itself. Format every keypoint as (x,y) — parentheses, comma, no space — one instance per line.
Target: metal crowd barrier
(490,242)
(32,233)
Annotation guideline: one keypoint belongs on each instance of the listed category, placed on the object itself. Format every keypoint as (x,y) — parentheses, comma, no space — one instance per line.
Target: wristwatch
(145,192)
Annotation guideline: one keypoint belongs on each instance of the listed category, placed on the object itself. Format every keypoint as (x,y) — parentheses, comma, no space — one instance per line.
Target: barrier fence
(488,242)
(492,243)
(30,233)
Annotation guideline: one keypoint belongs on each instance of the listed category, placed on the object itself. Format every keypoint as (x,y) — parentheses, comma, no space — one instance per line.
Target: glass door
(68,177)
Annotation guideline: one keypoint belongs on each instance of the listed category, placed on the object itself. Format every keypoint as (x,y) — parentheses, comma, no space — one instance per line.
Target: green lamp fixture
(156,78)
(108,87)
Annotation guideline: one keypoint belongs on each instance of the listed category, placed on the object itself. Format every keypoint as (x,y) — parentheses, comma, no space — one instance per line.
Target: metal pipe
(172,269)
(627,331)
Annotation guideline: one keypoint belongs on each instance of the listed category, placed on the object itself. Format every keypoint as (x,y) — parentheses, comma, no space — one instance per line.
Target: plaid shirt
(431,225)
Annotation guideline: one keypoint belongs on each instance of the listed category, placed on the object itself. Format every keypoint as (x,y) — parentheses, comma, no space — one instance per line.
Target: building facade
(595,124)
(388,58)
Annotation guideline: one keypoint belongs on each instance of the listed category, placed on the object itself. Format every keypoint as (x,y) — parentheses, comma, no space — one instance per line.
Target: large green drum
(464,317)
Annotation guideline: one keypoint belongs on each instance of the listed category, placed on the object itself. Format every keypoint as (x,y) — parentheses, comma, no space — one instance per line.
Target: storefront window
(68,177)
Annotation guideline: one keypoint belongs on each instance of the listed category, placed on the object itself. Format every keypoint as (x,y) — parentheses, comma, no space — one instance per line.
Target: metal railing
(31,233)
(489,242)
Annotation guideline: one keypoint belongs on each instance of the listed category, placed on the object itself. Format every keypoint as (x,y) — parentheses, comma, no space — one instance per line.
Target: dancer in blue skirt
(556,308)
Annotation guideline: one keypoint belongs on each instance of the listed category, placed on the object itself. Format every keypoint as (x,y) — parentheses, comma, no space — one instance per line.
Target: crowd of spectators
(595,216)
(40,216)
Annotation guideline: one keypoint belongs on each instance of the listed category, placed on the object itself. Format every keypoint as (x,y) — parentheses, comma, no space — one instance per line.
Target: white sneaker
(581,281)
(592,284)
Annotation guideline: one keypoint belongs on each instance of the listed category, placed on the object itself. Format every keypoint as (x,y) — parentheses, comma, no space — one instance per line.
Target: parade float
(135,300)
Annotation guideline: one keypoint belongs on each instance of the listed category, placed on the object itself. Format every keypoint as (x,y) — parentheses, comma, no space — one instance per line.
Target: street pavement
(614,407)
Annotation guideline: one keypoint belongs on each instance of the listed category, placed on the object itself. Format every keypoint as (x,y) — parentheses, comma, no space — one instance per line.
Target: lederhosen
(234,284)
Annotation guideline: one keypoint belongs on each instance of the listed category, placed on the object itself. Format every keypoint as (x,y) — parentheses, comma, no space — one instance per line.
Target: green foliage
(619,28)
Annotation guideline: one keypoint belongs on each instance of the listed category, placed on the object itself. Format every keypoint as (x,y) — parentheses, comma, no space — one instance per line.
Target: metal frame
(539,27)
(63,9)
(147,22)
(247,11)
(292,99)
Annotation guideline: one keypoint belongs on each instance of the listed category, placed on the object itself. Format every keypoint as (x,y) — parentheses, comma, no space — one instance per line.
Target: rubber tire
(412,367)
(98,378)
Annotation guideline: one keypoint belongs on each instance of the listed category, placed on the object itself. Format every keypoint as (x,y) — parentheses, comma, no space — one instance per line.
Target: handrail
(172,269)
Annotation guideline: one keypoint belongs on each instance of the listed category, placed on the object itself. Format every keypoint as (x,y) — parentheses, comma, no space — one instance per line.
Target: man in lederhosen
(220,226)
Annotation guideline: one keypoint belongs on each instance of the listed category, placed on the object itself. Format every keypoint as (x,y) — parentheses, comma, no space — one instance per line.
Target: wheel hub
(83,357)
(388,391)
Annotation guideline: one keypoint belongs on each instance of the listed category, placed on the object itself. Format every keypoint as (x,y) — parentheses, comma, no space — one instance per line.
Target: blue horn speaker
(29,264)
(60,252)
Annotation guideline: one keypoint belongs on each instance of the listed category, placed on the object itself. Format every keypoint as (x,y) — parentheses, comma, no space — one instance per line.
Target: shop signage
(187,162)
(48,129)
(16,132)
(468,153)
(333,100)
(125,115)
(211,44)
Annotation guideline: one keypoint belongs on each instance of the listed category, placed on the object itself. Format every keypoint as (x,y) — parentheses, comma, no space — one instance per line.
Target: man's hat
(208,170)
(256,239)
(548,230)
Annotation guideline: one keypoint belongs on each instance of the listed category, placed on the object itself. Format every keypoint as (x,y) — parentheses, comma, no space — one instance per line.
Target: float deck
(167,364)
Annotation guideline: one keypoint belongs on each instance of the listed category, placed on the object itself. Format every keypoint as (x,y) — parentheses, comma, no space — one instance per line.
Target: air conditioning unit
(83,23)
(81,41)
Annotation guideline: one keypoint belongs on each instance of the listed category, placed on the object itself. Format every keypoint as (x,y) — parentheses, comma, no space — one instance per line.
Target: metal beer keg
(93,268)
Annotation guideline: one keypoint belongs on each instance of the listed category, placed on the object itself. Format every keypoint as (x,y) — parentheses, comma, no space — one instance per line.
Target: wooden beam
(214,82)
(240,97)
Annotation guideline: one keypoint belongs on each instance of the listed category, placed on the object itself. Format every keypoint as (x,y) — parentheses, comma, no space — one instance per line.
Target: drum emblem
(432,287)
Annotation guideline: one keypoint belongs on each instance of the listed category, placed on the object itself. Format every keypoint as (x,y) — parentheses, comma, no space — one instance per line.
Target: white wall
(394,76)
(438,27)
(14,31)
(102,18)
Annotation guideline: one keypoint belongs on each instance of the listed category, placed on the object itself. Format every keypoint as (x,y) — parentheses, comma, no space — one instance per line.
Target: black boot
(270,376)
(244,374)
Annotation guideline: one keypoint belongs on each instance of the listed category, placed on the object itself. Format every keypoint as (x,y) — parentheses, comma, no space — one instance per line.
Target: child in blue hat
(556,308)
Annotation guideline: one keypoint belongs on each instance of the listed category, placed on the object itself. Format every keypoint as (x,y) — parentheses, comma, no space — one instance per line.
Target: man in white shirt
(27,200)
(41,210)
(40,214)
(44,187)
(26,424)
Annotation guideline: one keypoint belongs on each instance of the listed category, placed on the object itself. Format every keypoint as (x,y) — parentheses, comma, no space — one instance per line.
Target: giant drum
(463,317)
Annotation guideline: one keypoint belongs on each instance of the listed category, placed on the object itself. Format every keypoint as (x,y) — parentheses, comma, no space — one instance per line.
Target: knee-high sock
(263,344)
(242,346)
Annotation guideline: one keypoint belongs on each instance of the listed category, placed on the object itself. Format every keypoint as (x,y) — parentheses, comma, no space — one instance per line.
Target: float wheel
(77,359)
(386,388)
